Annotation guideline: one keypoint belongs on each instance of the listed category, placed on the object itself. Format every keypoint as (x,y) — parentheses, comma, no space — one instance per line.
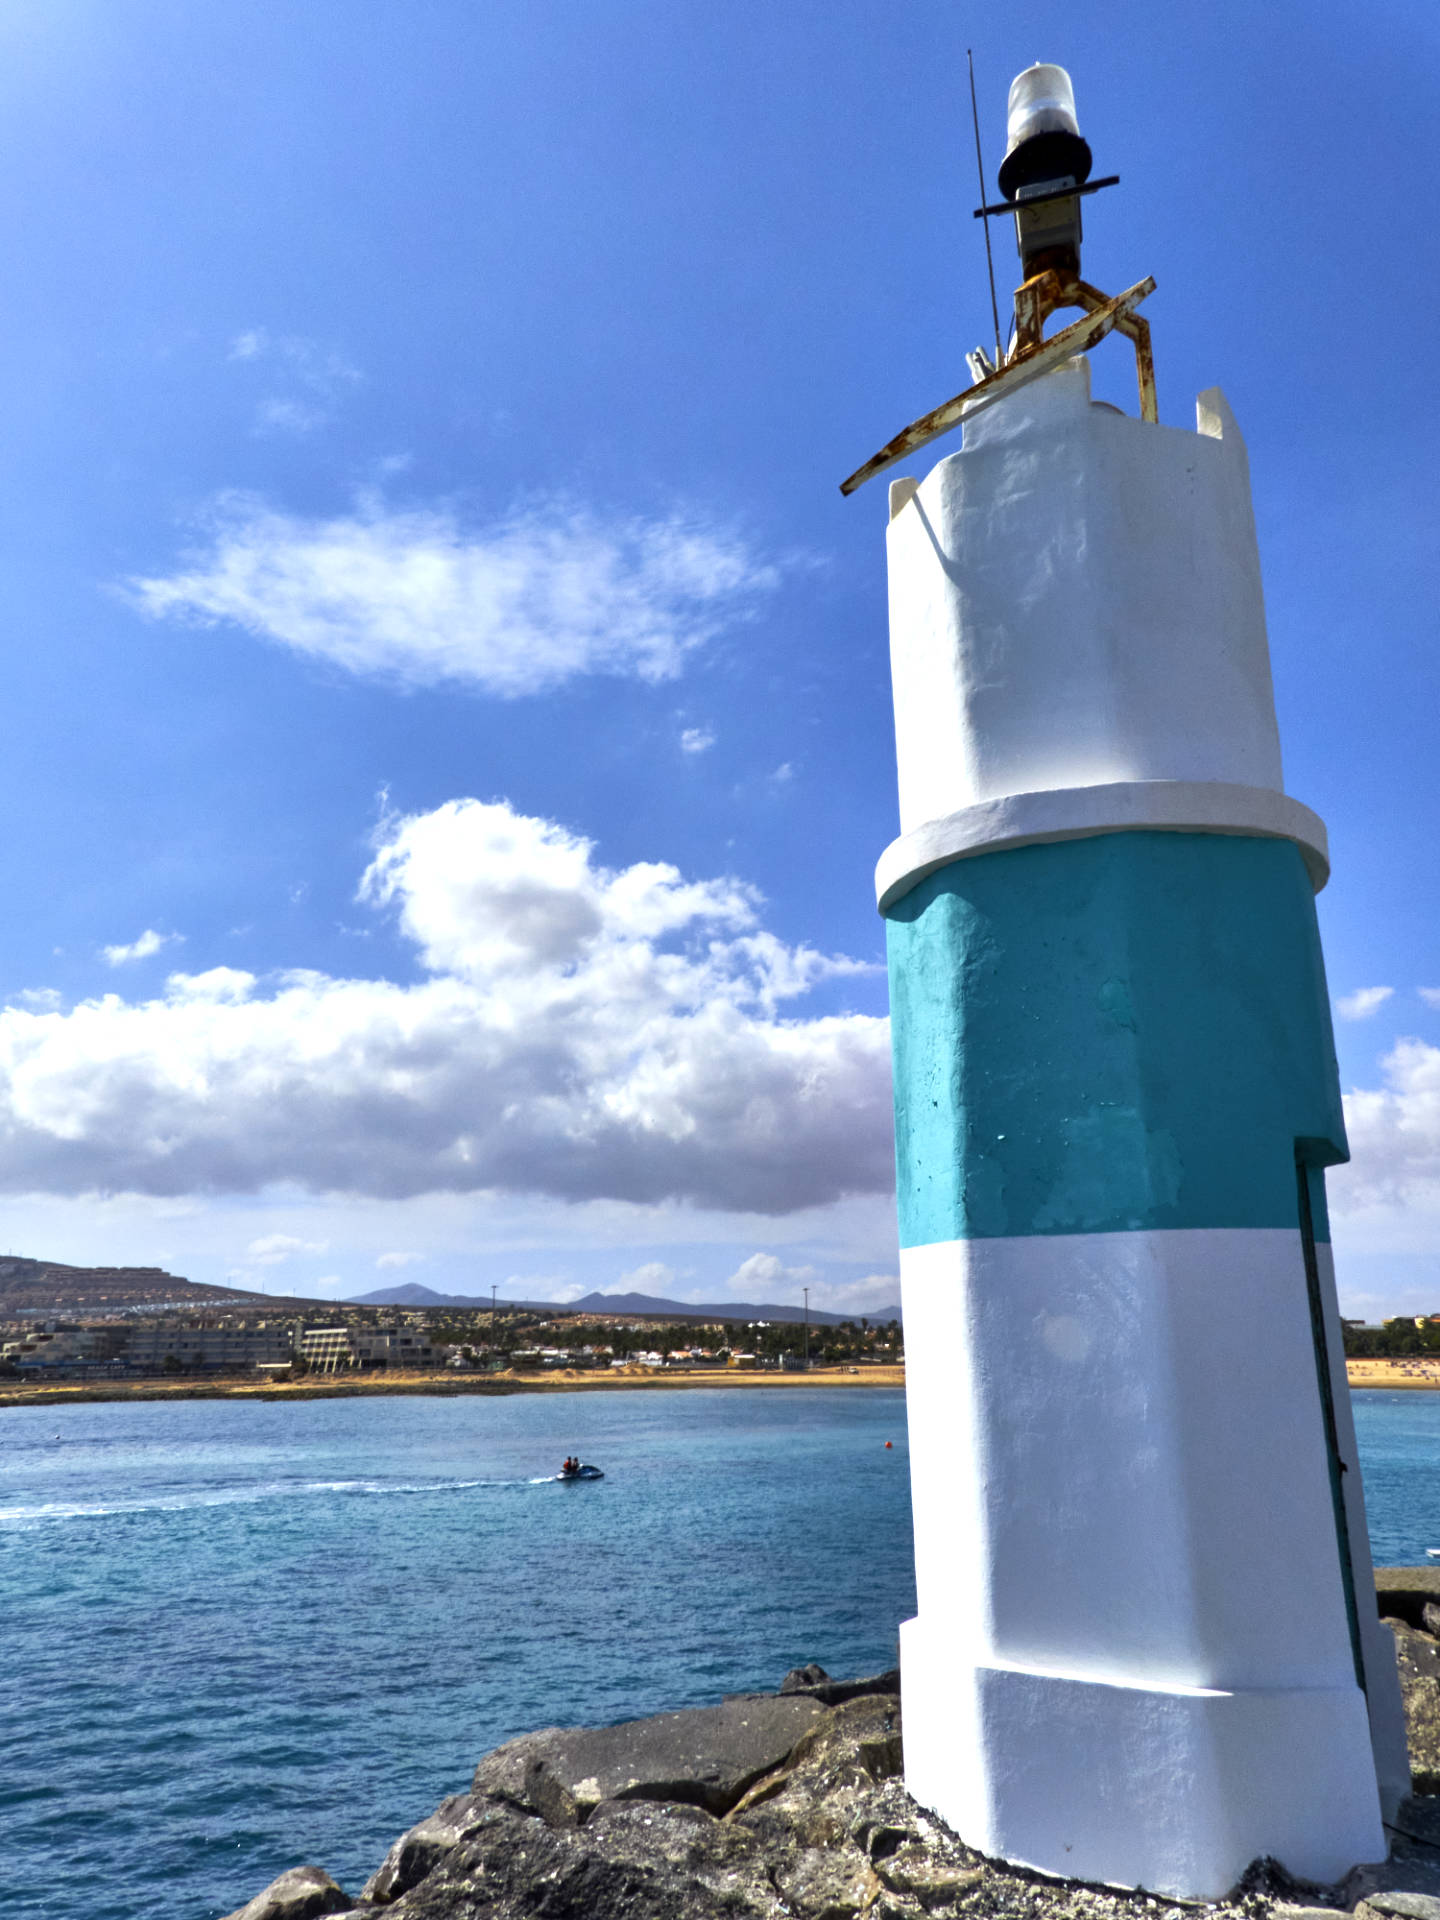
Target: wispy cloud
(399,1259)
(273,1249)
(290,416)
(515,606)
(150,942)
(581,1033)
(696,740)
(314,379)
(1363,1003)
(1430,995)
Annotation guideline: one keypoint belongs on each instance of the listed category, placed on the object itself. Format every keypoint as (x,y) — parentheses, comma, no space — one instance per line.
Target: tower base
(1173,1789)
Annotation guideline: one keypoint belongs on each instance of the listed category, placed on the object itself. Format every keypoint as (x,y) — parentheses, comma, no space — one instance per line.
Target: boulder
(1404,1592)
(914,1869)
(803,1679)
(417,1852)
(1418,1658)
(827,1885)
(541,1847)
(774,1805)
(814,1680)
(705,1757)
(858,1740)
(304,1893)
(1401,1905)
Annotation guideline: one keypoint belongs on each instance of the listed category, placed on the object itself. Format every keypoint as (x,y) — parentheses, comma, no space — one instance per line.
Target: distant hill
(638,1306)
(48,1286)
(411,1294)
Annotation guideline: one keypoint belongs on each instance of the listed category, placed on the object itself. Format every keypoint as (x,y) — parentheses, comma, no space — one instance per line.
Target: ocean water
(235,1637)
(1399,1440)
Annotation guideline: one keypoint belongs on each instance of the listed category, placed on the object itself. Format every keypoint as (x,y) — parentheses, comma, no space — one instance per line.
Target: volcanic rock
(304,1893)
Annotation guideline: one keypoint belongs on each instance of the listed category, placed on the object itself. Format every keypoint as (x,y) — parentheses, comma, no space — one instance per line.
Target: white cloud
(1363,1003)
(150,942)
(765,1279)
(764,1276)
(652,1276)
(1394,1134)
(1430,995)
(41,999)
(582,1033)
(272,1249)
(516,606)
(696,740)
(399,1259)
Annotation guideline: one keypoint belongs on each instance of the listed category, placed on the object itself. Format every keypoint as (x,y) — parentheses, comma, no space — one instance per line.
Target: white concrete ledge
(1080,813)
(1171,1788)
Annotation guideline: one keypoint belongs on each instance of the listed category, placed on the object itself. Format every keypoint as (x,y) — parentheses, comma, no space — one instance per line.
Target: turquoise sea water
(237,1637)
(234,1637)
(1399,1437)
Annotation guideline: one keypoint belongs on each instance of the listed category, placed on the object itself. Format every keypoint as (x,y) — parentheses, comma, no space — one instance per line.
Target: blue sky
(448,735)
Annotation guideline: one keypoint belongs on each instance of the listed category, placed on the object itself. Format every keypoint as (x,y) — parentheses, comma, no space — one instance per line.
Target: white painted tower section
(1132,1660)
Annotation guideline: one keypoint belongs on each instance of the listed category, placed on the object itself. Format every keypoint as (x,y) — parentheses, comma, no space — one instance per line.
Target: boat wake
(198,1499)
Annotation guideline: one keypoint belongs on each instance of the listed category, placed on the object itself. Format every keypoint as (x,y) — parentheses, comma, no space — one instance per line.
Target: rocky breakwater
(792,1804)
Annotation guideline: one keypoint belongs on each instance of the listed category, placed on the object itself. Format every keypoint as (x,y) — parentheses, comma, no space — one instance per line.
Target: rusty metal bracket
(1047,293)
(1033,355)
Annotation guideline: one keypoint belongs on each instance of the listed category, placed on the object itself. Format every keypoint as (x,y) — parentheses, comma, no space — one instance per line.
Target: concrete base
(1132,1662)
(1173,1789)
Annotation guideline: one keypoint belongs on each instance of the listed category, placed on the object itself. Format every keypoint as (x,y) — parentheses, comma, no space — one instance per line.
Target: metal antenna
(980,169)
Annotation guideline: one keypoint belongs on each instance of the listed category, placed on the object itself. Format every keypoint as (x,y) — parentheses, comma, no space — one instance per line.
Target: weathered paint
(1119,1033)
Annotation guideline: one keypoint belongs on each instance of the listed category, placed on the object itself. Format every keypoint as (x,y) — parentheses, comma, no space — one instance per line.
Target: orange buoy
(889,1443)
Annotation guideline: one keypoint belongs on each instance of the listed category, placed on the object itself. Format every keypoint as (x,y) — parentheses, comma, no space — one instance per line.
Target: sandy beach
(331,1386)
(1419,1375)
(1422,1374)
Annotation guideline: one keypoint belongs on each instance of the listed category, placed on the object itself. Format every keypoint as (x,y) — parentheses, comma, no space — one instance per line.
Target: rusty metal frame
(1047,293)
(1033,355)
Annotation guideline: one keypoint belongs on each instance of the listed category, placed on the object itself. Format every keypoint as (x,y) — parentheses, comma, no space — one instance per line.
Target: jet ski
(582,1472)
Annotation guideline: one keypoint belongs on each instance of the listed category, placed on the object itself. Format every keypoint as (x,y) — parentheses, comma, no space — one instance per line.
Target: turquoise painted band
(1119,1034)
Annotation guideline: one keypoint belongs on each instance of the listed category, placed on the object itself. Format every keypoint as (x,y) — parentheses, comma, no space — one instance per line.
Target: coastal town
(118,1325)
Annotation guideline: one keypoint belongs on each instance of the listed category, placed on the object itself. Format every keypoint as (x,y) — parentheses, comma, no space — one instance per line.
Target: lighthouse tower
(1146,1648)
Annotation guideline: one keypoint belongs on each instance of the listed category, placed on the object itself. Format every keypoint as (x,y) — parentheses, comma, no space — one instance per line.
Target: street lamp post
(806,1292)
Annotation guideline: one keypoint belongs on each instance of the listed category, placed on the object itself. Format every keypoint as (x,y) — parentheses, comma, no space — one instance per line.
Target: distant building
(67,1349)
(393,1347)
(327,1348)
(201,1349)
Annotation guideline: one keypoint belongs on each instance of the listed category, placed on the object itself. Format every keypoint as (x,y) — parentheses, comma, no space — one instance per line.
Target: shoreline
(1411,1376)
(331,1387)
